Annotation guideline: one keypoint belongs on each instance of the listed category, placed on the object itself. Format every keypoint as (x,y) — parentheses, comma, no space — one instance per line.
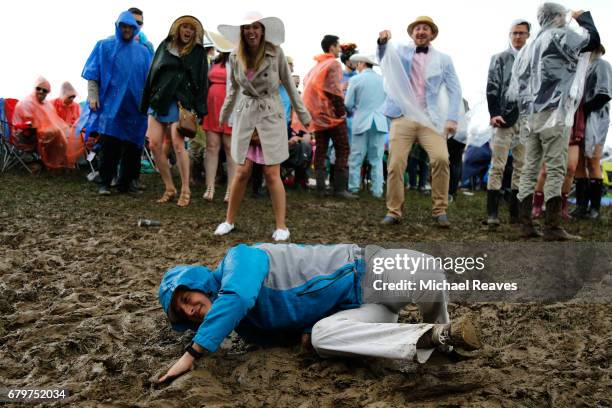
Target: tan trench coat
(256,104)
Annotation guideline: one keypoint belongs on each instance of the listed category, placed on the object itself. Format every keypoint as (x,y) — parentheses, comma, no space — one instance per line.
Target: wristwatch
(196,354)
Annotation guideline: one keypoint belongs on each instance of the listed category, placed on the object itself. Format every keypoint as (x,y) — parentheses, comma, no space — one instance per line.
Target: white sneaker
(281,235)
(224,228)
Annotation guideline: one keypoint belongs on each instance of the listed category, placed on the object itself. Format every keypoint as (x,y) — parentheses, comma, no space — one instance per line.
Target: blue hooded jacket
(120,67)
(266,289)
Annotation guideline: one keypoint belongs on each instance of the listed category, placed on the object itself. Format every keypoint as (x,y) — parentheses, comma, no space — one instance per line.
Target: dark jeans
(417,167)
(113,151)
(455,153)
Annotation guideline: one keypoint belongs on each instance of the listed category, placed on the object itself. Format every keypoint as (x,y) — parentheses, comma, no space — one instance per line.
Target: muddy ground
(78,309)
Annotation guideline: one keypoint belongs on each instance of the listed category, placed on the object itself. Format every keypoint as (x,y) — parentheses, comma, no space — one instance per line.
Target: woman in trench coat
(256,69)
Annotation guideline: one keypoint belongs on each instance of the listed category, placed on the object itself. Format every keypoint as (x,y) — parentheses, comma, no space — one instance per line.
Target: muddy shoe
(441,221)
(460,333)
(104,191)
(346,195)
(528,229)
(552,226)
(389,220)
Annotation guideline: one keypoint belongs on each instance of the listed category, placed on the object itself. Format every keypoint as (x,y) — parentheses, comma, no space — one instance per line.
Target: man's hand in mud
(183,365)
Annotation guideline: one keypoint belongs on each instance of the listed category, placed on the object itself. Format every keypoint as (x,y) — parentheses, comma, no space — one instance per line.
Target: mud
(79,310)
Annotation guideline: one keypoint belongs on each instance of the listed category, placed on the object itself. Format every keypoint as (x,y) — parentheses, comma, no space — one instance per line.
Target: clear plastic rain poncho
(56,141)
(479,130)
(549,71)
(598,82)
(400,89)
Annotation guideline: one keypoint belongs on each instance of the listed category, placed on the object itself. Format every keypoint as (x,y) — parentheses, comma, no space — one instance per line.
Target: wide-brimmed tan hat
(220,43)
(424,20)
(363,58)
(275,29)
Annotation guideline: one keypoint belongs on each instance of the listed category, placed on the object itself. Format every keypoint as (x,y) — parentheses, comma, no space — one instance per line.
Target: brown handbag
(187,123)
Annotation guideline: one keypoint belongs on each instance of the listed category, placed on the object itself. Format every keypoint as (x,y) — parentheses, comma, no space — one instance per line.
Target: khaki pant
(500,148)
(403,134)
(548,147)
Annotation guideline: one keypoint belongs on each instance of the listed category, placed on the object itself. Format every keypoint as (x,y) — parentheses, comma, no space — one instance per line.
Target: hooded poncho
(120,68)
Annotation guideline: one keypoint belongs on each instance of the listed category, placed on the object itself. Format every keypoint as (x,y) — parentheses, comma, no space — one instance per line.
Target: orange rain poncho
(321,84)
(55,141)
(70,112)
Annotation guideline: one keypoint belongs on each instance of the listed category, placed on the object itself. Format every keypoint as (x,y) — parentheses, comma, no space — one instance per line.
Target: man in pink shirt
(419,80)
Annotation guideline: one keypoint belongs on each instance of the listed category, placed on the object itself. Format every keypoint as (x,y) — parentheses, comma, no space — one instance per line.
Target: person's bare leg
(213,144)
(572,163)
(277,194)
(593,163)
(155,133)
(231,164)
(239,184)
(182,160)
(541,179)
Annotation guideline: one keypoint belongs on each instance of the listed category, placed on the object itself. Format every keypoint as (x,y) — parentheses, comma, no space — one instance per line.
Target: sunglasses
(39,89)
(140,23)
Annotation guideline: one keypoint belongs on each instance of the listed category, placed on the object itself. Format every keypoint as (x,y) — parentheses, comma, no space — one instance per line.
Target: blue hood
(194,277)
(128,19)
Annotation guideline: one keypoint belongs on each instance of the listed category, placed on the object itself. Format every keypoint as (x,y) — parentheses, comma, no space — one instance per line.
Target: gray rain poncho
(399,88)
(549,72)
(598,90)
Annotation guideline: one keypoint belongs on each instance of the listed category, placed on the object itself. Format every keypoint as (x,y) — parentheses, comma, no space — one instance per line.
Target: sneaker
(345,194)
(389,220)
(105,191)
(224,228)
(281,235)
(441,221)
(460,333)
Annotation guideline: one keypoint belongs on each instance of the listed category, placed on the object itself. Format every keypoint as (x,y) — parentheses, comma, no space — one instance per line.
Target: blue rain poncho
(120,68)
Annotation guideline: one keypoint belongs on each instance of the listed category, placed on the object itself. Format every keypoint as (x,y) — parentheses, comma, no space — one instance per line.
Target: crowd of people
(547,99)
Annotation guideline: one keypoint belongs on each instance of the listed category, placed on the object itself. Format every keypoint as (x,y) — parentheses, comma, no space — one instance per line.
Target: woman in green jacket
(177,78)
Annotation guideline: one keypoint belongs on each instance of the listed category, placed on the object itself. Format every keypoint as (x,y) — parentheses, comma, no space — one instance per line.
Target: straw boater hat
(424,20)
(220,43)
(275,29)
(363,58)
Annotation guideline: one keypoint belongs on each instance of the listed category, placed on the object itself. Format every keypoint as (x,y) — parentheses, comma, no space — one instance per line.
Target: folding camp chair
(10,156)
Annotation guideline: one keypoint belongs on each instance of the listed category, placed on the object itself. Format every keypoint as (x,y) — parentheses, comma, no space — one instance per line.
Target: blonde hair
(248,60)
(197,38)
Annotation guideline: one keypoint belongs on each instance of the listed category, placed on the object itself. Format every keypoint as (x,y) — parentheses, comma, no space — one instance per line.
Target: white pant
(372,329)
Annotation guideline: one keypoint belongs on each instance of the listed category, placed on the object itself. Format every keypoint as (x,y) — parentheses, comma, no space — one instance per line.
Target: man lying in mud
(317,293)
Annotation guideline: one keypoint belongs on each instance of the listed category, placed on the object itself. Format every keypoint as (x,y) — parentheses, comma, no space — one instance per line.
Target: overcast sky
(54,38)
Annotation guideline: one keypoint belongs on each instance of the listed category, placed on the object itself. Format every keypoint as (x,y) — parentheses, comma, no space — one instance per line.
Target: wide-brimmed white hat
(275,29)
(363,58)
(220,43)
